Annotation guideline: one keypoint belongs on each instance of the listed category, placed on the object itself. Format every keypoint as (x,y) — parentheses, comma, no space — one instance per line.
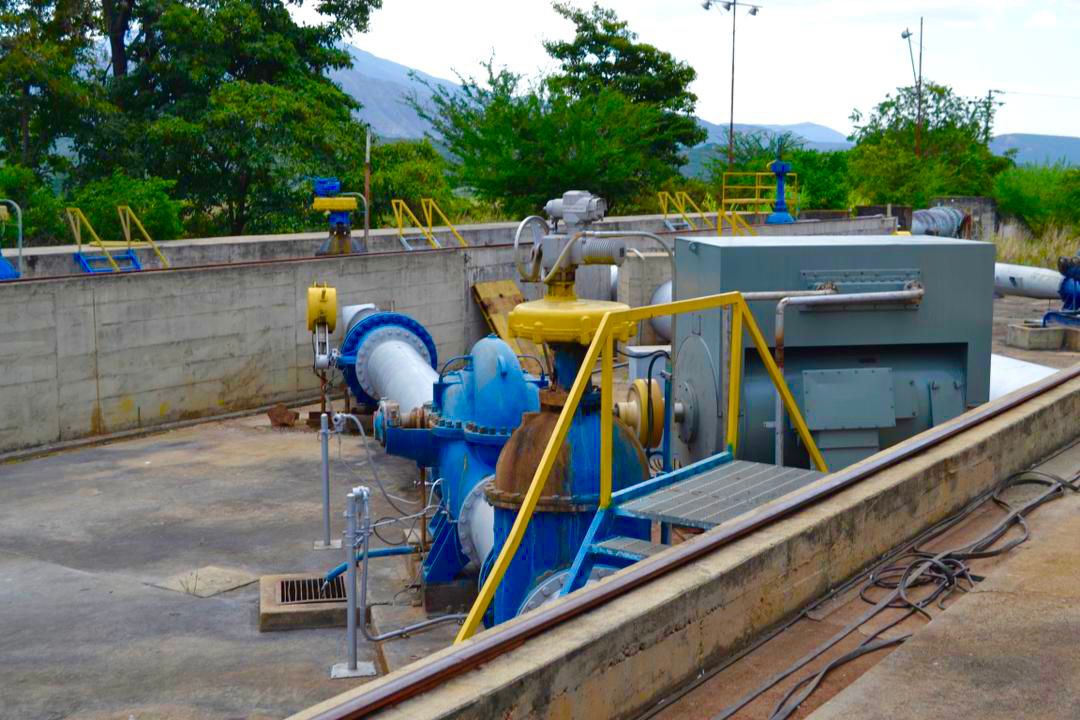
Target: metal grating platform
(631,546)
(708,499)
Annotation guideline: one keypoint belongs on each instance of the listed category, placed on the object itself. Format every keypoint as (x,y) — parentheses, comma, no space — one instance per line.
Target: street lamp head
(727,5)
(905,35)
(754,10)
(707,4)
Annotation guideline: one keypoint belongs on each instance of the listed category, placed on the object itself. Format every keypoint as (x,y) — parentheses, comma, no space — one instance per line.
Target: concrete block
(1034,337)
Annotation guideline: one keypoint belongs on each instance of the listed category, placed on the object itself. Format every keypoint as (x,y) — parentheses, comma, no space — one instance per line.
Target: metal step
(719,494)
(625,548)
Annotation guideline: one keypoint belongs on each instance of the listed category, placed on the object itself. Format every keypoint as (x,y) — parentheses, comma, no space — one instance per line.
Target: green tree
(248,154)
(43,221)
(522,146)
(1042,197)
(406,170)
(953,157)
(43,43)
(148,198)
(604,54)
(229,99)
(117,17)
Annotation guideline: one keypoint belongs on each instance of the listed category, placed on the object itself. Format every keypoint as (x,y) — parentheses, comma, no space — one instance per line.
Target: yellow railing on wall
(603,348)
(429,209)
(77,221)
(755,192)
(682,204)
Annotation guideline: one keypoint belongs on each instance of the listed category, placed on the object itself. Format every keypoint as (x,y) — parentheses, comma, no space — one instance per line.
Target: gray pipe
(1026,281)
(939,221)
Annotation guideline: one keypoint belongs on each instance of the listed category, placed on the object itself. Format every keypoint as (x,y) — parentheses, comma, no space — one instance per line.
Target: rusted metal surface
(520,457)
(492,644)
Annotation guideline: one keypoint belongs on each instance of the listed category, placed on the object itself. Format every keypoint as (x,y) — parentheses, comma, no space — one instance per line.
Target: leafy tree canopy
(953,158)
(604,54)
(523,146)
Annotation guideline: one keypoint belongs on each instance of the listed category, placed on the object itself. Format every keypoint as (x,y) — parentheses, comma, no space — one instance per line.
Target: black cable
(942,570)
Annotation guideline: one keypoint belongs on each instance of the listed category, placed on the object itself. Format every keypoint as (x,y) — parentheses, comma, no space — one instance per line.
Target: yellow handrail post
(127,215)
(76,220)
(532,496)
(687,200)
(782,388)
(734,378)
(401,210)
(429,207)
(606,416)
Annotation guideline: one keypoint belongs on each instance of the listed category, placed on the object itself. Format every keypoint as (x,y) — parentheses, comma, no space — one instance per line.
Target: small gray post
(351,669)
(324,439)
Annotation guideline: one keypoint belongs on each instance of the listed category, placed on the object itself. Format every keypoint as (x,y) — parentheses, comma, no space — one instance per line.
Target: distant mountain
(814,136)
(383,87)
(1038,149)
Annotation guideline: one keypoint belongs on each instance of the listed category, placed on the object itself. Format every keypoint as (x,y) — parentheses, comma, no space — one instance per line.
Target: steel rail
(492,644)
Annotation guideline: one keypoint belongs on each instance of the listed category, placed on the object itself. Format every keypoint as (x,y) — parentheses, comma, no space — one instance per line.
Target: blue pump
(1069,291)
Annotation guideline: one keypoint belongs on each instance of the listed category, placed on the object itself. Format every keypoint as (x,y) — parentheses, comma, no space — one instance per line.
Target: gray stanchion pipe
(324,439)
(349,545)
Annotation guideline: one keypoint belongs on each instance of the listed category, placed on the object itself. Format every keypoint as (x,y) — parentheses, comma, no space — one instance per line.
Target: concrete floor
(86,535)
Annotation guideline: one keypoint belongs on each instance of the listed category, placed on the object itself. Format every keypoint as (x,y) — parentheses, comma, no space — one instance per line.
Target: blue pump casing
(1069,291)
(474,410)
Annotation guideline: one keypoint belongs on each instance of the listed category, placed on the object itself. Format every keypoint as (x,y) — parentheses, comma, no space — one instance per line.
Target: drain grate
(310,590)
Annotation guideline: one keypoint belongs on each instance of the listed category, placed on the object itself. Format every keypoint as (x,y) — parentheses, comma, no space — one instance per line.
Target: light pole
(733,7)
(906,35)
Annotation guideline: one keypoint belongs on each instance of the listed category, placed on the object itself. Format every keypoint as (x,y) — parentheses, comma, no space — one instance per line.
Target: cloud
(1042,19)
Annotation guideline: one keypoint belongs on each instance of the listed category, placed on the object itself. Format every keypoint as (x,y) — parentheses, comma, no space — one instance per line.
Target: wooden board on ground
(496,299)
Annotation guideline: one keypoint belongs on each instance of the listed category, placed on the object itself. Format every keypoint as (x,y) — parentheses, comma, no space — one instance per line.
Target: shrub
(43,222)
(148,197)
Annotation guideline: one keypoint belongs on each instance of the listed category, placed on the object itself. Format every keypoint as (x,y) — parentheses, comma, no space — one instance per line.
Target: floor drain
(310,590)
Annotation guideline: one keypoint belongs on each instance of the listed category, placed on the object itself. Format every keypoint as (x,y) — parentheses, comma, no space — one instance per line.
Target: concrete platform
(87,538)
(1008,649)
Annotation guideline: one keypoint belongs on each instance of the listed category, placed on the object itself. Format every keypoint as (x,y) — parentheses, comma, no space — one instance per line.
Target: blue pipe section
(353,344)
(373,553)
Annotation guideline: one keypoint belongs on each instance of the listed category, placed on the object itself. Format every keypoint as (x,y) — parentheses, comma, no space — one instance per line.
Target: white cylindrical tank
(1009,374)
(1026,281)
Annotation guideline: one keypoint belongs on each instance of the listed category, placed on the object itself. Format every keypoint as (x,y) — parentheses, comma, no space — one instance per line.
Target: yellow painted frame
(127,216)
(602,347)
(76,221)
(401,212)
(734,198)
(682,204)
(430,208)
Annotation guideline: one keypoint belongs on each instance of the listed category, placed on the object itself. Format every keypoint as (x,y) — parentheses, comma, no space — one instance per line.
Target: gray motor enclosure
(865,378)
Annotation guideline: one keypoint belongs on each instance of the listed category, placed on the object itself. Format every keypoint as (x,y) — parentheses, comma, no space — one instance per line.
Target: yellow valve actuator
(321,307)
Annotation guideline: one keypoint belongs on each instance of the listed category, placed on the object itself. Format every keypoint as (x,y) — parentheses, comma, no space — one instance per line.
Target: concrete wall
(55,261)
(90,355)
(619,659)
(84,355)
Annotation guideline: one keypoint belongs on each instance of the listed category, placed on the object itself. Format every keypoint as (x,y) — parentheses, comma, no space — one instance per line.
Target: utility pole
(919,93)
(731,117)
(906,35)
(733,7)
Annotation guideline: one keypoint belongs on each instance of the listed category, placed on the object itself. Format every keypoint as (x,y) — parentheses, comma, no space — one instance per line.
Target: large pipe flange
(383,344)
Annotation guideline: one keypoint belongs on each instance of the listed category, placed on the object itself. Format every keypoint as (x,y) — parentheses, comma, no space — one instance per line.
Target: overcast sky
(796,60)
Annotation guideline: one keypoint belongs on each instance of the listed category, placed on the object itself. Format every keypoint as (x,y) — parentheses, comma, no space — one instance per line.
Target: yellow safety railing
(682,204)
(738,224)
(602,348)
(77,221)
(755,192)
(127,217)
(429,209)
